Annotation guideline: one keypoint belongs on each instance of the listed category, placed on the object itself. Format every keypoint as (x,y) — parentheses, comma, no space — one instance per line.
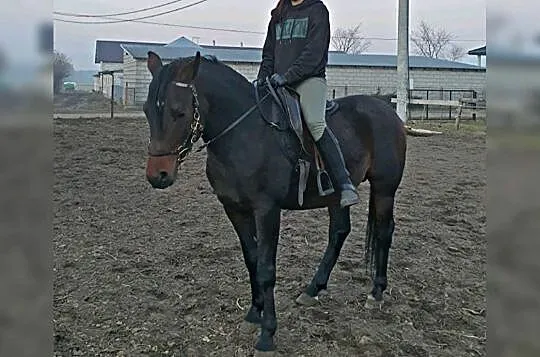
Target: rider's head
(278,10)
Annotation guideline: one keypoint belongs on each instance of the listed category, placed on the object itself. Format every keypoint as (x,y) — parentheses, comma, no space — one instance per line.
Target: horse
(251,166)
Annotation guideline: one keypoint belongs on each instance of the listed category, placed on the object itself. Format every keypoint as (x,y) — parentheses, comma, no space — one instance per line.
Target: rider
(295,53)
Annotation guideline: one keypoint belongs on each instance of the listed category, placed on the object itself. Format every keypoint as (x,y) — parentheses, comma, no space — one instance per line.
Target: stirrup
(324,183)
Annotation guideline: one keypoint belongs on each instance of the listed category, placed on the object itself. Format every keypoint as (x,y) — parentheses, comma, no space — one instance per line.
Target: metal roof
(112,52)
(183,47)
(480,51)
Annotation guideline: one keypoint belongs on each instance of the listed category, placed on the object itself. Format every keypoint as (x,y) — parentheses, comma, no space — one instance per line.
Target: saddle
(287,106)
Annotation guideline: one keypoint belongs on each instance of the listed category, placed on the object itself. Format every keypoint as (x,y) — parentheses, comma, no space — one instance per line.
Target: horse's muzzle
(161,171)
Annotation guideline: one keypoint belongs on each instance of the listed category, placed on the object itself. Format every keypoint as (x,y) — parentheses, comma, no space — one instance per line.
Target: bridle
(197,127)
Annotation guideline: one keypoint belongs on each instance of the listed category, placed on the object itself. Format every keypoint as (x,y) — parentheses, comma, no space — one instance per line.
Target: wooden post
(458,117)
(474,95)
(427,105)
(450,108)
(112,95)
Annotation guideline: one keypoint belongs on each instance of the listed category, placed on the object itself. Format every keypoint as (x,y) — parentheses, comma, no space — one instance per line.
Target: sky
(464,18)
(378,20)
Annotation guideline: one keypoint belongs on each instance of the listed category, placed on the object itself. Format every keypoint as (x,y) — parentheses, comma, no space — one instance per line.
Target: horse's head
(173,113)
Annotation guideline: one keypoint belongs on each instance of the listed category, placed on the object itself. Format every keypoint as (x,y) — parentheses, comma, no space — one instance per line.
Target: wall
(133,81)
(107,79)
(351,80)
(346,80)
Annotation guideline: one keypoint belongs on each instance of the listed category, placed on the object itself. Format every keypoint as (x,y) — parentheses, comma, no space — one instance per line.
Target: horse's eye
(177,113)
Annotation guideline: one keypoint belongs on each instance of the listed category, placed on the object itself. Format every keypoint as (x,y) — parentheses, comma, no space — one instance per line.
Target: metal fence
(474,103)
(416,111)
(474,109)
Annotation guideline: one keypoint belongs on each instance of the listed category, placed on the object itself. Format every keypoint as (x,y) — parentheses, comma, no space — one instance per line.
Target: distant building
(346,74)
(479,53)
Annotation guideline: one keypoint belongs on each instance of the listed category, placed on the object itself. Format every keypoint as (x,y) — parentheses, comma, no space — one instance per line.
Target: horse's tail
(420,132)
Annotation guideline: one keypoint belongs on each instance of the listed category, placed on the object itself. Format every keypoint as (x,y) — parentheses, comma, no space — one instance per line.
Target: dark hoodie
(297,42)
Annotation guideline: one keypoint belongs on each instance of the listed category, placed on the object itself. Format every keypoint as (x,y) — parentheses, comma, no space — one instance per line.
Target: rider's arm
(267,65)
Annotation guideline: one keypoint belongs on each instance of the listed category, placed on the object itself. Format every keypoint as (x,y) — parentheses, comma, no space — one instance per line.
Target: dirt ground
(141,272)
(84,102)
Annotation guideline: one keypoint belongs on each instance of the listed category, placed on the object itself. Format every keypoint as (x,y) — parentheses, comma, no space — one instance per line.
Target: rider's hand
(277,80)
(260,82)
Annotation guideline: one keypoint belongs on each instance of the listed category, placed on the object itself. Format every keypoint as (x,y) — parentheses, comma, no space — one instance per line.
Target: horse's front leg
(243,222)
(267,220)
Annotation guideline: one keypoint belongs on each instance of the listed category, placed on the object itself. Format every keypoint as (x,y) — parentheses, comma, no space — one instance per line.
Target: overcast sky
(378,19)
(464,18)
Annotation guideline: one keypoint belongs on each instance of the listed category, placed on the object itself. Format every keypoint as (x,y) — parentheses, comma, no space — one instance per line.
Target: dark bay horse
(250,168)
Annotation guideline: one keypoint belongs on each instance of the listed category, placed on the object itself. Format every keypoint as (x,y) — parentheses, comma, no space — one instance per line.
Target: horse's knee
(266,276)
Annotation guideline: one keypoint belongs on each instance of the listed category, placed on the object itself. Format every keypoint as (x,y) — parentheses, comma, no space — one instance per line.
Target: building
(479,53)
(109,57)
(346,74)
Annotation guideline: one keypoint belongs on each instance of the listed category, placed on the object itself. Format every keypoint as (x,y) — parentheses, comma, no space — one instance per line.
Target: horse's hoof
(306,300)
(371,303)
(248,327)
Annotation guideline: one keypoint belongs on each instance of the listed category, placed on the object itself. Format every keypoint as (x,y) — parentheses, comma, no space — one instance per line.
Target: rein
(197,127)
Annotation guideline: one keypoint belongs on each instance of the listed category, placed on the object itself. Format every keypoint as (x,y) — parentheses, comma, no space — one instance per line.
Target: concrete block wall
(342,80)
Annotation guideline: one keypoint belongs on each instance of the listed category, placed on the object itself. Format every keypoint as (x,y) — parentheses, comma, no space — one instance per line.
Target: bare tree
(62,68)
(435,42)
(349,40)
(455,53)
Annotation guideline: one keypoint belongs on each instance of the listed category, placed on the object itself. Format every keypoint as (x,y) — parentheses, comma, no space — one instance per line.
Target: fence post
(474,95)
(450,108)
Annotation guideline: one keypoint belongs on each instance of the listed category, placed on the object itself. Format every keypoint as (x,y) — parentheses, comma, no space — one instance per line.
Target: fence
(470,104)
(430,103)
(472,108)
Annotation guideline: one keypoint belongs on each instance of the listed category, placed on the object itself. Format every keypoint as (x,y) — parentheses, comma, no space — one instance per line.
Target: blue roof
(112,52)
(184,43)
(480,51)
(183,47)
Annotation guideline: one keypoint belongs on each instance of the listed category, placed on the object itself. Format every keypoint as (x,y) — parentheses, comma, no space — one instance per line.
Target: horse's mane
(224,78)
(215,65)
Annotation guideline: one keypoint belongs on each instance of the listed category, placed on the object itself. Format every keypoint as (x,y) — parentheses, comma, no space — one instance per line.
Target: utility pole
(403,60)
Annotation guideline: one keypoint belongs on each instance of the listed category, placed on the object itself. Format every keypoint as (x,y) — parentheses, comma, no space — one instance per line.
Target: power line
(171,25)
(134,19)
(71,14)
(220,29)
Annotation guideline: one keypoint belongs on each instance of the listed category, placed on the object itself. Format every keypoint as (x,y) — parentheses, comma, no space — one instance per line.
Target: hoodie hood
(305,4)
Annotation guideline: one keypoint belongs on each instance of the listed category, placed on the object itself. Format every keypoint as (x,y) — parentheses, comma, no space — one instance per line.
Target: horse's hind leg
(244,225)
(379,234)
(340,227)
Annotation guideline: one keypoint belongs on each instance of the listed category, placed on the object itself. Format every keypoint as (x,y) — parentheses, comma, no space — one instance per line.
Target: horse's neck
(224,109)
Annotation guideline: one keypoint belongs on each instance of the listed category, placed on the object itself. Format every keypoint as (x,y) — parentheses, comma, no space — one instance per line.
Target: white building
(346,74)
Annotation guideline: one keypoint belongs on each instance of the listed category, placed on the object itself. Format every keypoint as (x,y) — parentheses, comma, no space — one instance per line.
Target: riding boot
(334,162)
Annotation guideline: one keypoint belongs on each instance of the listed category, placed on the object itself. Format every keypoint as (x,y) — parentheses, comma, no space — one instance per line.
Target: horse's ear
(196,63)
(154,63)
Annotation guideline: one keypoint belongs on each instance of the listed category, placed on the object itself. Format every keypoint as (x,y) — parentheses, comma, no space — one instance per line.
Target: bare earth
(141,272)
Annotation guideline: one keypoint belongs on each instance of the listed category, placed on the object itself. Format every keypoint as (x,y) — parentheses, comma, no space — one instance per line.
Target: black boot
(335,164)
